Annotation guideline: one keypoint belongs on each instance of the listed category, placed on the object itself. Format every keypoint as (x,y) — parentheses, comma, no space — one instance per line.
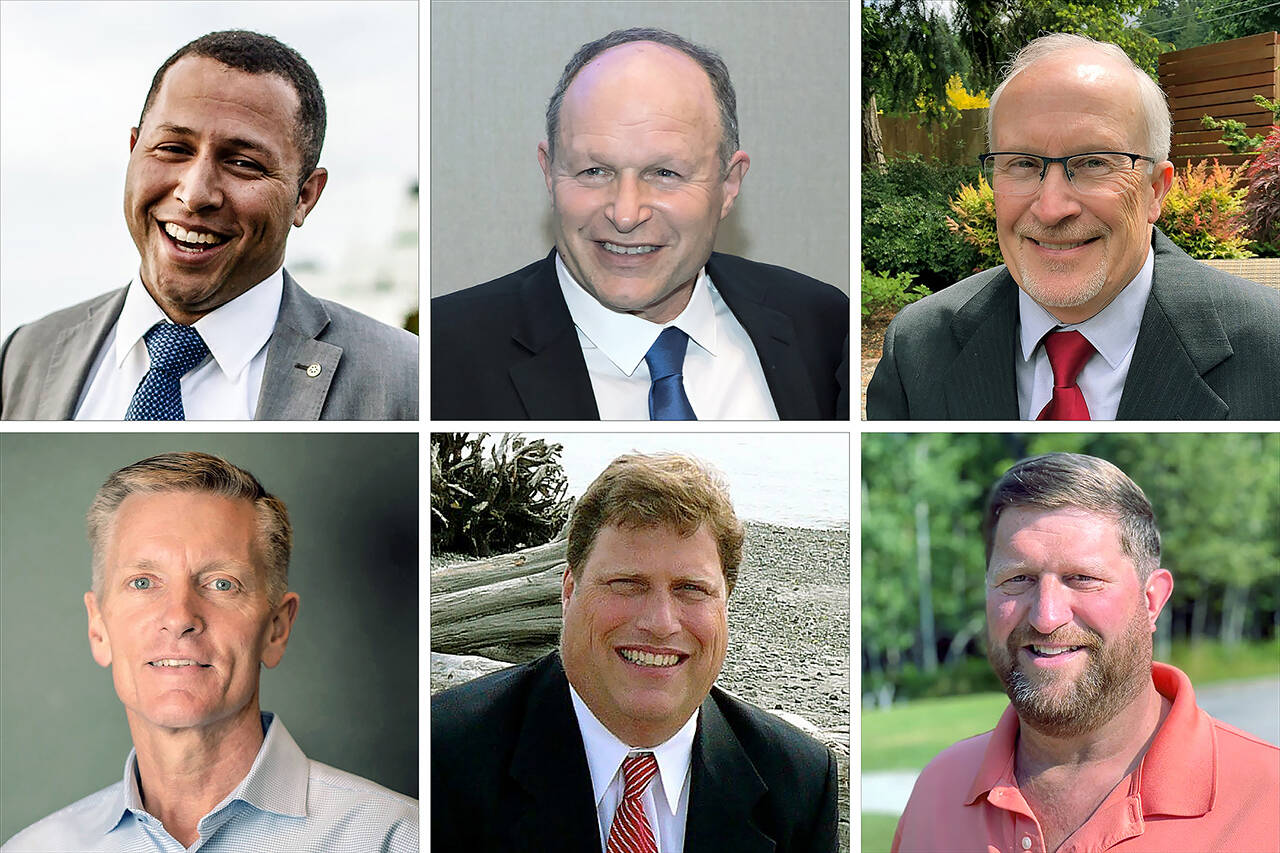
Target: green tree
(1176,22)
(1233,19)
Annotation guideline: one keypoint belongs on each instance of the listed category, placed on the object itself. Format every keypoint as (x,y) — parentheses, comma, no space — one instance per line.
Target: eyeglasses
(1096,172)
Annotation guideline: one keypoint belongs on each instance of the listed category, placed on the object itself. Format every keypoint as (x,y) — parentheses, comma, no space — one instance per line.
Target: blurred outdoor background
(926,682)
(928,219)
(73,77)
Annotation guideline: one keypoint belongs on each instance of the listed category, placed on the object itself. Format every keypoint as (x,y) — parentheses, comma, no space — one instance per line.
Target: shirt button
(313,370)
(1026,842)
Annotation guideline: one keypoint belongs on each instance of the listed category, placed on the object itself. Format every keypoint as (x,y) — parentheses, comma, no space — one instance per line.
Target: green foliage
(975,207)
(888,292)
(908,51)
(1262,201)
(1239,21)
(1234,133)
(510,497)
(1176,21)
(904,222)
(1204,212)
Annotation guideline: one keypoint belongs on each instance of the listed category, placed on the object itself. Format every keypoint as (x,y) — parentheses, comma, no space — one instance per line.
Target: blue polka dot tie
(667,400)
(174,350)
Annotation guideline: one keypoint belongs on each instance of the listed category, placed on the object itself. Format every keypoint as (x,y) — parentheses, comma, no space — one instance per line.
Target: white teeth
(629,250)
(177,232)
(1060,246)
(646,659)
(173,662)
(1044,650)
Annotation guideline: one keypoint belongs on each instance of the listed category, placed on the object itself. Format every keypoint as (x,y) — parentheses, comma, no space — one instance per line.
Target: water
(792,479)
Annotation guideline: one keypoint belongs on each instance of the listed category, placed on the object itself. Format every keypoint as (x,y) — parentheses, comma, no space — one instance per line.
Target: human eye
(242,163)
(140,583)
(667,174)
(171,148)
(593,173)
(221,585)
(626,586)
(693,590)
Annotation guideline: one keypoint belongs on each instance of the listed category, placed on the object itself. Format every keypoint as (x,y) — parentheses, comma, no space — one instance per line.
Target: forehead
(640,85)
(654,550)
(1052,538)
(182,526)
(209,97)
(1080,93)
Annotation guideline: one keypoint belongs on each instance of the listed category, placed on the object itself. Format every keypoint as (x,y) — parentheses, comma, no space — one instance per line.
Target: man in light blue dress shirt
(190,598)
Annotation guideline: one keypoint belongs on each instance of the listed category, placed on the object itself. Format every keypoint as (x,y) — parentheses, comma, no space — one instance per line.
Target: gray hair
(1155,107)
(1057,480)
(709,60)
(195,472)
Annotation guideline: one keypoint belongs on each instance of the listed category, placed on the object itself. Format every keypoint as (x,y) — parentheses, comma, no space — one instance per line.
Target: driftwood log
(505,608)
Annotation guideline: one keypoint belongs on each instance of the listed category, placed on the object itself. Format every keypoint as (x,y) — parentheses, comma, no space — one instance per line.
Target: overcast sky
(73,77)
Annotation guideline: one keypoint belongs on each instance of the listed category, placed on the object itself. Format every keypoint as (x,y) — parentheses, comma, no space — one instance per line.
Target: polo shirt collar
(1113,331)
(605,753)
(625,338)
(1177,776)
(234,332)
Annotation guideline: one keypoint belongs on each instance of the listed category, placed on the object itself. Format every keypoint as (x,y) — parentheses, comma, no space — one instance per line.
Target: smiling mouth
(177,662)
(640,658)
(191,242)
(1060,247)
(616,249)
(1051,651)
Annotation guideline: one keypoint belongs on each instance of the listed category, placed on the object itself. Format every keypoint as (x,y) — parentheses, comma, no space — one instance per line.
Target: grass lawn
(877,832)
(906,737)
(1210,661)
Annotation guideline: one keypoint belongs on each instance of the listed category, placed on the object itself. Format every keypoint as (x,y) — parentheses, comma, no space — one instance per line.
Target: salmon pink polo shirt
(1203,785)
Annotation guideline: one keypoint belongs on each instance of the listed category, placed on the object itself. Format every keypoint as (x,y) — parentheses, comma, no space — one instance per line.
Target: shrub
(888,292)
(1203,212)
(481,504)
(976,209)
(1262,202)
(904,222)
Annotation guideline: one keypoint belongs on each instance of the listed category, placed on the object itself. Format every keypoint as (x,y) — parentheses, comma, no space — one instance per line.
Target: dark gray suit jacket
(1208,349)
(509,773)
(368,370)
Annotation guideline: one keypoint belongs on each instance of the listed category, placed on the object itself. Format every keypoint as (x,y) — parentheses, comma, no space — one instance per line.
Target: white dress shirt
(1113,331)
(722,374)
(666,800)
(223,387)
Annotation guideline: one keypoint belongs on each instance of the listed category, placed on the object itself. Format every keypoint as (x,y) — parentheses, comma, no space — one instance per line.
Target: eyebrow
(233,142)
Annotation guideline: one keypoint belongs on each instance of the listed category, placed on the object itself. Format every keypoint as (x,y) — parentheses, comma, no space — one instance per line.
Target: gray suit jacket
(367,370)
(1208,349)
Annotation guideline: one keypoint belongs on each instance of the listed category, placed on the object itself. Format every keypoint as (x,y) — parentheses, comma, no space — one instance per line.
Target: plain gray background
(494,66)
(347,688)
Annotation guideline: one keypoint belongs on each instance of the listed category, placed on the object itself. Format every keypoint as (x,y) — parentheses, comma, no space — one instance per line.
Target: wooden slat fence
(962,142)
(1219,80)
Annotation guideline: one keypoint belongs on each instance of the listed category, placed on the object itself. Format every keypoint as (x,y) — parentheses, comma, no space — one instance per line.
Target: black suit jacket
(508,350)
(1208,349)
(509,773)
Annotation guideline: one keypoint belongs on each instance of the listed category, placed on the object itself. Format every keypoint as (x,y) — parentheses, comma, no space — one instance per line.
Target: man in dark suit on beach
(621,738)
(222,164)
(1096,314)
(632,316)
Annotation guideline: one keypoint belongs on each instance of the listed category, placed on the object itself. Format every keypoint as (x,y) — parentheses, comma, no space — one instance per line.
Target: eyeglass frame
(1049,161)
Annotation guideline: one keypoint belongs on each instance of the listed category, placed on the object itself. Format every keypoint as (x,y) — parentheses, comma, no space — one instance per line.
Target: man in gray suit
(223,161)
(1096,314)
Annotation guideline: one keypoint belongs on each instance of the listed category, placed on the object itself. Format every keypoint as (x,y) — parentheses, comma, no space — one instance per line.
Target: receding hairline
(1113,520)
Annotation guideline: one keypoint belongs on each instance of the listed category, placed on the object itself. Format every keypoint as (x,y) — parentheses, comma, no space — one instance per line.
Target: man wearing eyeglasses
(1096,315)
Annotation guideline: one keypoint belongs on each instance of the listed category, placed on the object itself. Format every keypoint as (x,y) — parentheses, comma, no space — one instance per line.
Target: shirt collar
(625,338)
(1178,774)
(234,332)
(1113,331)
(276,782)
(605,753)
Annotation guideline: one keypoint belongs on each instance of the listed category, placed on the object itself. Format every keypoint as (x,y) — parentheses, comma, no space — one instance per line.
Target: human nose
(1056,198)
(629,209)
(198,187)
(182,612)
(659,615)
(1051,606)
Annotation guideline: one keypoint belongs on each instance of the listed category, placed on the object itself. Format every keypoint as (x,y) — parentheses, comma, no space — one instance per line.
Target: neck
(185,772)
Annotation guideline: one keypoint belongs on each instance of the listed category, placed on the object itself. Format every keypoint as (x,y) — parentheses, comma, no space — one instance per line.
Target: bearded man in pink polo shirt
(1100,748)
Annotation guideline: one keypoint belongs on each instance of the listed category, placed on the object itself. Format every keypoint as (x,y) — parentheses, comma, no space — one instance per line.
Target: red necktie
(630,832)
(1068,352)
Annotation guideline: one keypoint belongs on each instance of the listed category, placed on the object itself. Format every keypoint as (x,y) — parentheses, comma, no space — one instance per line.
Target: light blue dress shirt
(286,803)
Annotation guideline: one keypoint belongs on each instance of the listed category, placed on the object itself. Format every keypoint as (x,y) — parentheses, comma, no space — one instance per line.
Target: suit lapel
(299,369)
(724,790)
(72,355)
(980,384)
(549,767)
(1181,338)
(773,335)
(552,382)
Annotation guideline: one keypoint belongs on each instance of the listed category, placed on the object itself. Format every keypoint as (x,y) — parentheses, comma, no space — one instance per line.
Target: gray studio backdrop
(348,685)
(494,65)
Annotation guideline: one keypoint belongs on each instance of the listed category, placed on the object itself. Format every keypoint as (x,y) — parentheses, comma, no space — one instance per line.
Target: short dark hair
(1057,480)
(709,60)
(255,53)
(657,490)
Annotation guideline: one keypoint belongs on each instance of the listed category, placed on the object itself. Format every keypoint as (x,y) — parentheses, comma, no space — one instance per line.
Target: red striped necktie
(1068,352)
(631,832)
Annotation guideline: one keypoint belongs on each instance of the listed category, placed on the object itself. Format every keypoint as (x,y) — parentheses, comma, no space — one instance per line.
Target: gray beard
(1056,297)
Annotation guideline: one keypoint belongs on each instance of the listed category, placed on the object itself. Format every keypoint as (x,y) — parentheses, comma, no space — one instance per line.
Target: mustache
(1025,635)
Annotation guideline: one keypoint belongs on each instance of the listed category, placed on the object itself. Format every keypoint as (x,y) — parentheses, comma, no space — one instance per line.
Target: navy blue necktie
(174,350)
(667,400)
